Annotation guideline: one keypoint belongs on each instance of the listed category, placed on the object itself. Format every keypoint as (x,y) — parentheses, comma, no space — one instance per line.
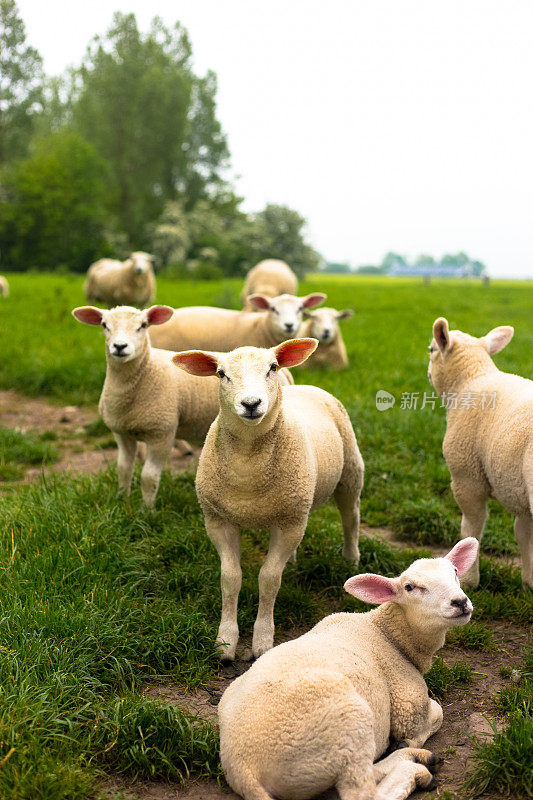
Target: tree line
(124,152)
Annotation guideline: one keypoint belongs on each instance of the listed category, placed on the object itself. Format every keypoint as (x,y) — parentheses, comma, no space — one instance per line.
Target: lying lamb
(271,278)
(117,282)
(223,330)
(488,444)
(318,711)
(323,325)
(272,455)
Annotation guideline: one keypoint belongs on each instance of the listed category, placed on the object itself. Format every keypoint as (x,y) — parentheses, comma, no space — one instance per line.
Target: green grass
(475,636)
(19,450)
(442,677)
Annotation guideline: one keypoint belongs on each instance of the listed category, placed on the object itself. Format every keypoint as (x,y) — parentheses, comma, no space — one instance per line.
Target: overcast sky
(402,125)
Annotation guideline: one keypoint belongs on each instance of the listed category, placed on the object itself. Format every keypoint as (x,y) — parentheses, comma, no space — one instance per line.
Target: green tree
(152,120)
(424,259)
(21,80)
(52,206)
(279,233)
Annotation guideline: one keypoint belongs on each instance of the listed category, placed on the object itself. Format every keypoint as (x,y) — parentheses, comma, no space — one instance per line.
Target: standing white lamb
(323,324)
(272,455)
(488,444)
(145,398)
(270,277)
(129,282)
(319,711)
(4,286)
(223,330)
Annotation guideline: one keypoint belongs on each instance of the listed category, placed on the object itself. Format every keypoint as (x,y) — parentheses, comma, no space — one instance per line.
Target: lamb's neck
(125,377)
(417,644)
(463,367)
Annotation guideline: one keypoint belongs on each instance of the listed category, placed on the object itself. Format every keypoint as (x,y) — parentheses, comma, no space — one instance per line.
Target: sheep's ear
(372,588)
(313,300)
(156,315)
(441,334)
(294,351)
(498,338)
(259,301)
(88,314)
(196,362)
(464,554)
(345,314)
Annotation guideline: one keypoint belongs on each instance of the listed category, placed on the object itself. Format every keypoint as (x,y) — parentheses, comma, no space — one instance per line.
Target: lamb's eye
(221,373)
(104,326)
(274,310)
(273,367)
(409,587)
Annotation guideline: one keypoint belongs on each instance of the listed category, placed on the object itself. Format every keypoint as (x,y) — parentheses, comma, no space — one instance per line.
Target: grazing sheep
(271,278)
(488,444)
(145,398)
(272,455)
(318,711)
(323,325)
(120,282)
(223,330)
(4,287)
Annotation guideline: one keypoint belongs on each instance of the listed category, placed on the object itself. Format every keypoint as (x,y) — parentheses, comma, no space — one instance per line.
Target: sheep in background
(272,455)
(270,277)
(222,329)
(318,711)
(130,282)
(4,287)
(488,444)
(323,324)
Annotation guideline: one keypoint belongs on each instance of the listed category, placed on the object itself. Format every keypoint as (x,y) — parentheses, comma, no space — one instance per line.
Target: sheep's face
(286,311)
(141,263)
(249,376)
(448,348)
(325,323)
(429,589)
(125,328)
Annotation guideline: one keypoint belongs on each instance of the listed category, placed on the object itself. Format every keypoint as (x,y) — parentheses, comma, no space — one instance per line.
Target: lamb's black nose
(326,333)
(462,603)
(289,327)
(250,405)
(119,347)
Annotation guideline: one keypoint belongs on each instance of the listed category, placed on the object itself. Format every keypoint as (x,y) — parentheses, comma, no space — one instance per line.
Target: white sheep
(272,455)
(319,711)
(4,286)
(270,277)
(323,324)
(488,444)
(145,398)
(223,330)
(122,282)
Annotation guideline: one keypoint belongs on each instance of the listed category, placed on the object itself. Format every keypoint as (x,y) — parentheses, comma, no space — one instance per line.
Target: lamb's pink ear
(496,339)
(464,554)
(346,314)
(313,300)
(196,362)
(259,301)
(372,588)
(156,315)
(294,351)
(88,314)
(441,334)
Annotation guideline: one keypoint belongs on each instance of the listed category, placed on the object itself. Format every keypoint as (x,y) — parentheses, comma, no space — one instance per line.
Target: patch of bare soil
(78,453)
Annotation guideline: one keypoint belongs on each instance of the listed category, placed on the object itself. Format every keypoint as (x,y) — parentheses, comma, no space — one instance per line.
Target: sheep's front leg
(127,448)
(227,540)
(473,504)
(429,726)
(157,454)
(283,543)
(523,528)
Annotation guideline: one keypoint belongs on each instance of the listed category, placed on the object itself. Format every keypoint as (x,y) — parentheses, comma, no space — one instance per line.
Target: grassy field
(100,596)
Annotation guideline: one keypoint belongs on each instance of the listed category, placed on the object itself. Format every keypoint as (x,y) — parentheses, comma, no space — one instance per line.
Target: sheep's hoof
(247,654)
